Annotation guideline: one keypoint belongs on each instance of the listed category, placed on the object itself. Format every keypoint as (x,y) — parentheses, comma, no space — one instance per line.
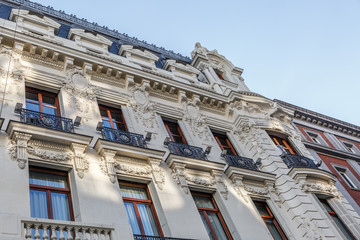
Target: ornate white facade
(84,74)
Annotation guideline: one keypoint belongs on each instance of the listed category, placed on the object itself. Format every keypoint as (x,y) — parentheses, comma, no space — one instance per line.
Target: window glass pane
(326,206)
(49,110)
(217,226)
(178,139)
(342,227)
(262,209)
(273,229)
(207,226)
(38,204)
(31,96)
(204,202)
(104,114)
(32,107)
(46,179)
(60,206)
(116,116)
(148,220)
(133,192)
(106,123)
(49,100)
(132,218)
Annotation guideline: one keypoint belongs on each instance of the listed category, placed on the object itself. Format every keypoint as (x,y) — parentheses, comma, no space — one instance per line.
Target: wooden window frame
(40,94)
(285,142)
(49,190)
(230,146)
(135,201)
(212,210)
(109,110)
(333,214)
(271,218)
(174,123)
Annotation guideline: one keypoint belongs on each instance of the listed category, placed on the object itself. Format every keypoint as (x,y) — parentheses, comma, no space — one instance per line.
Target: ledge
(248,174)
(128,150)
(192,163)
(46,134)
(297,173)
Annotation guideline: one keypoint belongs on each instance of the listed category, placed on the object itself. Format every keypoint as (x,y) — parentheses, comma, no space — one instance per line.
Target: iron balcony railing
(144,237)
(123,137)
(298,161)
(46,120)
(241,162)
(186,150)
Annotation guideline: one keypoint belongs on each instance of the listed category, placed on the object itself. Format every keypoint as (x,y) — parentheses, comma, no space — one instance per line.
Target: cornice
(95,27)
(331,151)
(323,120)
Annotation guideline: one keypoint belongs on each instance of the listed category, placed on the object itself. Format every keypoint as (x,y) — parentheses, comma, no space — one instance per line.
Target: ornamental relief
(144,109)
(82,92)
(322,188)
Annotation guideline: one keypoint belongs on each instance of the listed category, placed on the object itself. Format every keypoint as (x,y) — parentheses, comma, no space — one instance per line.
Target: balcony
(143,237)
(51,229)
(186,150)
(128,138)
(46,120)
(241,162)
(296,161)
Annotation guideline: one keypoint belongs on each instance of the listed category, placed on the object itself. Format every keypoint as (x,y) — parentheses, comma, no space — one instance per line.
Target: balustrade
(298,161)
(241,162)
(186,150)
(123,137)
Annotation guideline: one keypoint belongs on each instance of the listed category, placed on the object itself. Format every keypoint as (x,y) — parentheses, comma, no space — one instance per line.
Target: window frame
(333,214)
(271,218)
(313,136)
(230,146)
(40,94)
(135,201)
(174,123)
(348,177)
(212,210)
(350,147)
(49,190)
(285,141)
(110,110)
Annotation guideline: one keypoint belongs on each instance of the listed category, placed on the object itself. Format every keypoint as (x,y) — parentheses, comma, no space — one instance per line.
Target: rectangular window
(347,176)
(350,147)
(50,194)
(174,131)
(41,101)
(337,220)
(112,118)
(314,137)
(283,145)
(140,209)
(270,220)
(219,74)
(211,217)
(224,143)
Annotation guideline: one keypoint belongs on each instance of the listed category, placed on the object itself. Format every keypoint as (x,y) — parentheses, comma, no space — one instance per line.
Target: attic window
(219,74)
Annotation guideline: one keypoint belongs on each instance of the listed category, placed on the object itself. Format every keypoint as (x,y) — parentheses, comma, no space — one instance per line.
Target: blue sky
(304,52)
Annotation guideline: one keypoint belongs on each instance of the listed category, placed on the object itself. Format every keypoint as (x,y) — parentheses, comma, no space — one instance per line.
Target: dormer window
(219,74)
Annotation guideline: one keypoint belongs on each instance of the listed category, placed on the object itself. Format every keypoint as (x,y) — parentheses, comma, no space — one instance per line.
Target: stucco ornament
(311,229)
(179,176)
(158,173)
(196,120)
(199,50)
(18,148)
(312,187)
(239,187)
(49,155)
(80,161)
(144,109)
(256,190)
(11,73)
(219,181)
(82,93)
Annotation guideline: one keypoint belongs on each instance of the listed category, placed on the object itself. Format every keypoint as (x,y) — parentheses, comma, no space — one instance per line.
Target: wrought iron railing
(123,137)
(186,150)
(298,161)
(46,120)
(144,237)
(241,162)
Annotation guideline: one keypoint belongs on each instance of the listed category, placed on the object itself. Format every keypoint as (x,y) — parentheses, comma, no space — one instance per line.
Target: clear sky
(303,52)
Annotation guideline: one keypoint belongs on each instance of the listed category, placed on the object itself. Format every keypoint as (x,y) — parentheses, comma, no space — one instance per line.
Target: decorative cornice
(322,120)
(101,29)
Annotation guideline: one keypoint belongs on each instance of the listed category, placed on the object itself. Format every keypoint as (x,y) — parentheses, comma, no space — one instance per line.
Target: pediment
(172,65)
(128,50)
(34,18)
(89,36)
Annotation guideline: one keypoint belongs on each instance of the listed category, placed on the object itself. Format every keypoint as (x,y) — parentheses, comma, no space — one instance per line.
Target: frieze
(328,189)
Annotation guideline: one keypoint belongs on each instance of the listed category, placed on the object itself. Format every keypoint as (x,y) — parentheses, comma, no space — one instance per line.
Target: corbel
(68,63)
(55,56)
(182,96)
(239,187)
(44,52)
(118,74)
(270,185)
(178,173)
(196,99)
(33,49)
(129,81)
(81,164)
(109,72)
(21,140)
(145,84)
(88,67)
(164,87)
(172,90)
(157,172)
(109,158)
(18,46)
(217,175)
(99,69)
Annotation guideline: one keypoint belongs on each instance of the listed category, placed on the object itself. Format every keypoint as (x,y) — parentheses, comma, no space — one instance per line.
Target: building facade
(107,137)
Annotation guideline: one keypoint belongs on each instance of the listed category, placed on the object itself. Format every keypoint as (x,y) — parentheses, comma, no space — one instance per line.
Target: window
(50,194)
(174,131)
(211,217)
(224,143)
(349,147)
(270,220)
(112,118)
(41,101)
(314,137)
(219,74)
(337,220)
(140,210)
(283,145)
(347,176)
